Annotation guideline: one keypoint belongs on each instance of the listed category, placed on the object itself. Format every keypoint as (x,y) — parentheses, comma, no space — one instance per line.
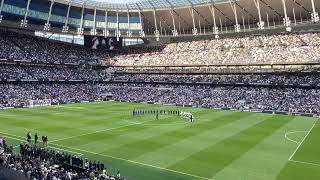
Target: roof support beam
(268,20)
(184,21)
(141,33)
(200,27)
(294,16)
(93,31)
(272,9)
(129,32)
(243,23)
(1,7)
(80,29)
(215,28)
(24,21)
(160,23)
(118,33)
(156,31)
(314,15)
(106,32)
(202,17)
(221,25)
(191,9)
(234,9)
(199,14)
(225,16)
(260,23)
(174,31)
(47,24)
(165,22)
(65,28)
(286,20)
(194,30)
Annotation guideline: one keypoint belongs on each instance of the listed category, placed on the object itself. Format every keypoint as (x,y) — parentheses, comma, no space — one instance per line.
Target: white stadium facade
(158,19)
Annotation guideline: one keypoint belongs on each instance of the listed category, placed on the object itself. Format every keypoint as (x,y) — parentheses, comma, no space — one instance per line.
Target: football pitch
(221,145)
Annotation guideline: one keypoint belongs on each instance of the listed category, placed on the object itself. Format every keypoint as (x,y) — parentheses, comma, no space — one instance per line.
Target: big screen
(104,43)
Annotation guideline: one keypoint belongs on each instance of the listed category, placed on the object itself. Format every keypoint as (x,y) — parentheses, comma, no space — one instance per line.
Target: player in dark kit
(157,116)
(35,138)
(45,140)
(4,144)
(29,137)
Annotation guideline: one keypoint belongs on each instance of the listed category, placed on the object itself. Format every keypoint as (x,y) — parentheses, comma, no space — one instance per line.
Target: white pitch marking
(302,162)
(132,122)
(70,107)
(71,137)
(292,132)
(66,150)
(167,124)
(302,140)
(8,136)
(135,162)
(126,160)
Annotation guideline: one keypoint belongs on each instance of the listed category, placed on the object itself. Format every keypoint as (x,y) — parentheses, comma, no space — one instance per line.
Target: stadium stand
(292,100)
(246,90)
(264,49)
(17,46)
(33,68)
(40,163)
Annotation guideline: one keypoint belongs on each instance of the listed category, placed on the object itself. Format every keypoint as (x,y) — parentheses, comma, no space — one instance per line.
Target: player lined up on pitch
(186,115)
(152,111)
(44,138)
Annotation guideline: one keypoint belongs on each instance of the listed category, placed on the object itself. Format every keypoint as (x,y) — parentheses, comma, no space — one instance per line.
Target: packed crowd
(294,100)
(270,49)
(266,78)
(19,94)
(23,47)
(42,164)
(25,72)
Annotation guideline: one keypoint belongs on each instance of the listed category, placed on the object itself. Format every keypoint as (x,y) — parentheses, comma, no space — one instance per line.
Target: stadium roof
(141,4)
(184,16)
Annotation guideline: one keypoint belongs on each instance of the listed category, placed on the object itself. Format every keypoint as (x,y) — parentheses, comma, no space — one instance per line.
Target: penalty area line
(305,137)
(138,163)
(293,132)
(302,162)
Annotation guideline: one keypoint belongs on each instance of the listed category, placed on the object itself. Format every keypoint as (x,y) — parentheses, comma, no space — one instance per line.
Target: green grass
(223,145)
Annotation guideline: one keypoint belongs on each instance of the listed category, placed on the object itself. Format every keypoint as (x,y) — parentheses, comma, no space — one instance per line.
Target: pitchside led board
(103,43)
